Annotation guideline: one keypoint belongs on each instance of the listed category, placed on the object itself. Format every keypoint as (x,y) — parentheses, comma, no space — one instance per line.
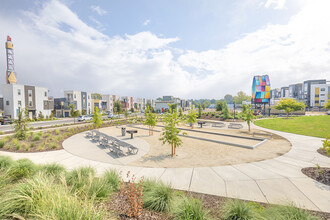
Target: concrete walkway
(277,181)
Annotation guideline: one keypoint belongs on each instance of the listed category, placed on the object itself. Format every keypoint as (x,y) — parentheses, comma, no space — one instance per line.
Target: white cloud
(54,48)
(276,4)
(98,10)
(146,22)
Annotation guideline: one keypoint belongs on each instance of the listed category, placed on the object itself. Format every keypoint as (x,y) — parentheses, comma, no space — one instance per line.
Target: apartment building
(320,94)
(82,100)
(163,106)
(296,91)
(285,92)
(127,102)
(107,103)
(140,104)
(307,90)
(34,98)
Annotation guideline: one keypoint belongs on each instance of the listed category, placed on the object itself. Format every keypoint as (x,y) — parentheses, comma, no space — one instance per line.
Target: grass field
(317,126)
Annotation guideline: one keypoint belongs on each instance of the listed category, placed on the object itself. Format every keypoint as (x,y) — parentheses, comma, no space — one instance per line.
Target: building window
(45,94)
(322,94)
(30,104)
(316,96)
(322,89)
(7,102)
(75,96)
(18,91)
(316,102)
(19,103)
(30,93)
(88,96)
(322,100)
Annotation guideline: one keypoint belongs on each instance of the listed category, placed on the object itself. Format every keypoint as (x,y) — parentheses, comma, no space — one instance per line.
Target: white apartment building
(35,99)
(319,94)
(82,100)
(107,103)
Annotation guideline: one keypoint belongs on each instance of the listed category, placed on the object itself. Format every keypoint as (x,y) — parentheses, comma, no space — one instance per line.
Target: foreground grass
(316,126)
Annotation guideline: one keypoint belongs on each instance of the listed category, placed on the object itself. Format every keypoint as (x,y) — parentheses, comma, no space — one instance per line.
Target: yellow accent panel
(267,88)
(267,95)
(317,98)
(317,91)
(9,45)
(12,78)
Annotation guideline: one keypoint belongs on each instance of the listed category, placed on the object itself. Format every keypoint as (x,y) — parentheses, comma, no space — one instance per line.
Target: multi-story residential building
(296,91)
(61,107)
(320,94)
(82,100)
(140,104)
(163,106)
(307,90)
(107,103)
(35,99)
(285,92)
(151,102)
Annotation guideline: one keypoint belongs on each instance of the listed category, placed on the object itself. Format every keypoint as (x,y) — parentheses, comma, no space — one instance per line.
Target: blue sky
(189,49)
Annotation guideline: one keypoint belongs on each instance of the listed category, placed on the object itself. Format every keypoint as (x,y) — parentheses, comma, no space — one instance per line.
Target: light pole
(234,111)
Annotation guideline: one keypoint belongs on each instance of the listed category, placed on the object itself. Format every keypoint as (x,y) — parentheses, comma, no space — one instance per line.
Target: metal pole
(234,112)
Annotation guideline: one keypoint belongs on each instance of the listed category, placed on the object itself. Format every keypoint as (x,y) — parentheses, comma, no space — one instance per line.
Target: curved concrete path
(277,180)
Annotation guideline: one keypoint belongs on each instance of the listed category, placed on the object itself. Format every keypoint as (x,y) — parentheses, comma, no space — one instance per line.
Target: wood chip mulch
(323,152)
(321,174)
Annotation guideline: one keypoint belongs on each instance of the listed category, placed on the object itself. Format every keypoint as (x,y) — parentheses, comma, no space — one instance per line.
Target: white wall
(323,95)
(40,98)
(10,93)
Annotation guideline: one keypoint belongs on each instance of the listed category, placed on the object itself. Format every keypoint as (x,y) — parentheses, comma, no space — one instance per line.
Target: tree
(327,105)
(83,112)
(170,131)
(248,115)
(203,106)
(150,120)
(225,110)
(219,106)
(207,103)
(74,113)
(229,98)
(151,109)
(159,99)
(289,105)
(20,127)
(97,117)
(192,117)
(241,96)
(180,112)
(117,108)
(199,110)
(40,116)
(126,114)
(96,96)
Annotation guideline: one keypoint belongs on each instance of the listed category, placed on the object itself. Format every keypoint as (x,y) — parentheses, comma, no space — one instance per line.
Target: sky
(145,48)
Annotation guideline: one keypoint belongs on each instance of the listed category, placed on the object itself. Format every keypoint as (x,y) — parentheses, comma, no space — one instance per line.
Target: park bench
(235,125)
(218,124)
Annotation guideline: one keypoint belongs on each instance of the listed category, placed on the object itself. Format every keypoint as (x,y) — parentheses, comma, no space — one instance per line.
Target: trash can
(123,131)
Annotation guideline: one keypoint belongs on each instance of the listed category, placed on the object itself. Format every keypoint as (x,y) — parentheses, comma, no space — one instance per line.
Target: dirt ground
(199,153)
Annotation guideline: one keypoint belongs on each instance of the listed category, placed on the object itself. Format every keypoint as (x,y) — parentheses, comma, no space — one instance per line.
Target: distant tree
(241,96)
(117,108)
(203,106)
(180,112)
(199,110)
(225,110)
(174,106)
(219,106)
(74,113)
(159,99)
(26,113)
(248,115)
(192,117)
(97,118)
(289,105)
(327,105)
(244,108)
(40,116)
(229,98)
(20,127)
(150,120)
(206,103)
(126,114)
(213,101)
(170,131)
(151,109)
(96,96)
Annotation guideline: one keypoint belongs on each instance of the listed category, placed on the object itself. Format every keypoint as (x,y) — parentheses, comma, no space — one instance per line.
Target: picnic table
(132,132)
(201,123)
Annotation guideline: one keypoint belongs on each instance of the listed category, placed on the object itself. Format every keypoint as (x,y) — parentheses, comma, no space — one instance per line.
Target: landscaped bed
(30,191)
(320,174)
(217,116)
(317,126)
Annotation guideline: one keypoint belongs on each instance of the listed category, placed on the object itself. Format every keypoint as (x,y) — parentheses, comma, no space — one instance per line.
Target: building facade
(82,101)
(320,94)
(35,99)
(307,89)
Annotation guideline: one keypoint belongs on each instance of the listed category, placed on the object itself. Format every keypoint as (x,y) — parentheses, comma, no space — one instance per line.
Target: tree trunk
(172,149)
(249,126)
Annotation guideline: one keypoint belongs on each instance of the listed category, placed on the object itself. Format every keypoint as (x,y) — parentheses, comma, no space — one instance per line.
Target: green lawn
(317,126)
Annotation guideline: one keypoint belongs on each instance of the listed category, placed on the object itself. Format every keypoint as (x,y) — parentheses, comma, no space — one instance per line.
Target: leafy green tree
(117,108)
(40,116)
(203,106)
(225,110)
(327,105)
(206,103)
(241,96)
(199,110)
(96,96)
(192,117)
(180,112)
(248,115)
(26,113)
(170,131)
(74,113)
(229,98)
(289,105)
(219,106)
(150,120)
(20,127)
(126,114)
(151,109)
(97,117)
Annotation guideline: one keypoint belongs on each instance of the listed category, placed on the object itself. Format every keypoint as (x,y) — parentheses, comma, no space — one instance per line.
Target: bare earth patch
(199,153)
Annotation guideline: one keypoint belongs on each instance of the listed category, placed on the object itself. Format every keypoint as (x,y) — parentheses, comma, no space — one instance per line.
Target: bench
(201,123)
(235,126)
(218,124)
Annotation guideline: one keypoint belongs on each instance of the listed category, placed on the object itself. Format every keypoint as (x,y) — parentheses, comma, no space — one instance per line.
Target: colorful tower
(10,74)
(260,89)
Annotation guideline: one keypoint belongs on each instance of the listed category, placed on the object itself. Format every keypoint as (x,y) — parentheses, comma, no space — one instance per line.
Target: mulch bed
(210,202)
(321,174)
(323,152)
(210,117)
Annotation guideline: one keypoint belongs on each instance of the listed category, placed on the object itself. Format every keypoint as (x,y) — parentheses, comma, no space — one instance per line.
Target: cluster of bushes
(30,191)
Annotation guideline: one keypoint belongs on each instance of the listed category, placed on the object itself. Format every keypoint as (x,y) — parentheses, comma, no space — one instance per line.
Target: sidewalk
(277,180)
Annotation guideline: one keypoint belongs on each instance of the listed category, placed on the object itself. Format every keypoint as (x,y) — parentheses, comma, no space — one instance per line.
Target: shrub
(287,213)
(2,143)
(52,169)
(326,145)
(42,198)
(77,178)
(234,209)
(36,137)
(5,162)
(158,198)
(111,177)
(57,132)
(48,134)
(1,132)
(14,141)
(18,146)
(31,145)
(52,145)
(7,138)
(217,116)
(21,169)
(191,209)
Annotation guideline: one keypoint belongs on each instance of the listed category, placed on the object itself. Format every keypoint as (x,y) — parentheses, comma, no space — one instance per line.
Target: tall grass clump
(159,197)
(235,209)
(5,162)
(36,137)
(191,209)
(288,213)
(42,198)
(2,143)
(22,168)
(111,177)
(54,169)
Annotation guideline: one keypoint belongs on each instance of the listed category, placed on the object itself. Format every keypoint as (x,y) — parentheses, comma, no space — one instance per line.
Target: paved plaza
(277,180)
